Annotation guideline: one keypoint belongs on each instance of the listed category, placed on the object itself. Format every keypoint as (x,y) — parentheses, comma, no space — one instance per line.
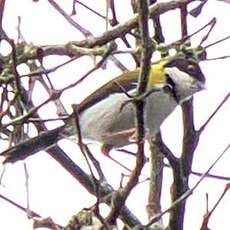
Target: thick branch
(79,48)
(182,170)
(155,183)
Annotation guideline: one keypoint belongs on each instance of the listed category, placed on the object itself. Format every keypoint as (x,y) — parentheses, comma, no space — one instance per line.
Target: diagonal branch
(69,19)
(126,27)
(201,129)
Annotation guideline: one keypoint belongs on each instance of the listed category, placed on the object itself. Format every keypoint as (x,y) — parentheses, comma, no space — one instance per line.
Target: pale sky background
(53,192)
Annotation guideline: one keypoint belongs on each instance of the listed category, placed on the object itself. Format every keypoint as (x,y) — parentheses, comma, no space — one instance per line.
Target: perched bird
(107,118)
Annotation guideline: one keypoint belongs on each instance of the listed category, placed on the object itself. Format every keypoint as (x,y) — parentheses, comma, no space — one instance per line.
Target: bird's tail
(43,141)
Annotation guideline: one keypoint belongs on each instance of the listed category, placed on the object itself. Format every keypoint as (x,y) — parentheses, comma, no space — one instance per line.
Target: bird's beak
(201,86)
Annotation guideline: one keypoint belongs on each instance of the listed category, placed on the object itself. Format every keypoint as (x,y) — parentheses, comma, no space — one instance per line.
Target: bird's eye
(191,68)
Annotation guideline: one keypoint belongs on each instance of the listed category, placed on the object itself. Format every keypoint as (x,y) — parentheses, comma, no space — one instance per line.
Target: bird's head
(184,77)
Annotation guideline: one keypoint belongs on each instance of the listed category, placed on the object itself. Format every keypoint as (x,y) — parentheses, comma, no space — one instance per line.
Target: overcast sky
(53,192)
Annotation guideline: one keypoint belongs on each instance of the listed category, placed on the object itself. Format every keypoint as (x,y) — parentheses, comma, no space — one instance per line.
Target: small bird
(106,117)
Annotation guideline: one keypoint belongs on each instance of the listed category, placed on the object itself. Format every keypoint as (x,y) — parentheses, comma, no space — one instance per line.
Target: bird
(106,117)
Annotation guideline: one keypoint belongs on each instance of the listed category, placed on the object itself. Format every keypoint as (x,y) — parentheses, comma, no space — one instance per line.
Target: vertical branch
(27,191)
(107,15)
(3,35)
(182,170)
(114,20)
(158,34)
(190,138)
(2,6)
(183,16)
(155,184)
(146,55)
(156,157)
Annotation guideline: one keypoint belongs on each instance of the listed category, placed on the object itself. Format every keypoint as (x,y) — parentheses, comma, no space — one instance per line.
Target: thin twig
(209,175)
(79,139)
(27,190)
(217,42)
(15,72)
(90,9)
(3,35)
(30,113)
(32,213)
(217,58)
(201,129)
(97,66)
(47,71)
(114,20)
(212,24)
(69,19)
(127,26)
(37,119)
(208,213)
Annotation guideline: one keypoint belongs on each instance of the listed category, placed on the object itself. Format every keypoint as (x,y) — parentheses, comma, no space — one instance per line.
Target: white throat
(185,85)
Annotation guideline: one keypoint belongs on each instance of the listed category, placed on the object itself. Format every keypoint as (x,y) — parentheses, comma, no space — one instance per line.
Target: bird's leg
(123,133)
(105,149)
(147,137)
(129,134)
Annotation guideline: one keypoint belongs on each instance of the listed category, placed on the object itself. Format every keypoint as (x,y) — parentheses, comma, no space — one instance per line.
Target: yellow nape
(157,74)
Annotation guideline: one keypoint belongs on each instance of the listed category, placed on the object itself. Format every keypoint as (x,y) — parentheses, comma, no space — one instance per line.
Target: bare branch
(189,192)
(88,182)
(201,129)
(124,28)
(32,213)
(69,19)
(143,78)
(3,35)
(90,9)
(208,215)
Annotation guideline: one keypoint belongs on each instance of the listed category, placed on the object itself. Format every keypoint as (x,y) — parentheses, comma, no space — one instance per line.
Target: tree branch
(147,49)
(126,27)
(189,192)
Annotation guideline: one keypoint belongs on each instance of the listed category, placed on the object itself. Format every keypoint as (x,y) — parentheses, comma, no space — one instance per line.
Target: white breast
(113,115)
